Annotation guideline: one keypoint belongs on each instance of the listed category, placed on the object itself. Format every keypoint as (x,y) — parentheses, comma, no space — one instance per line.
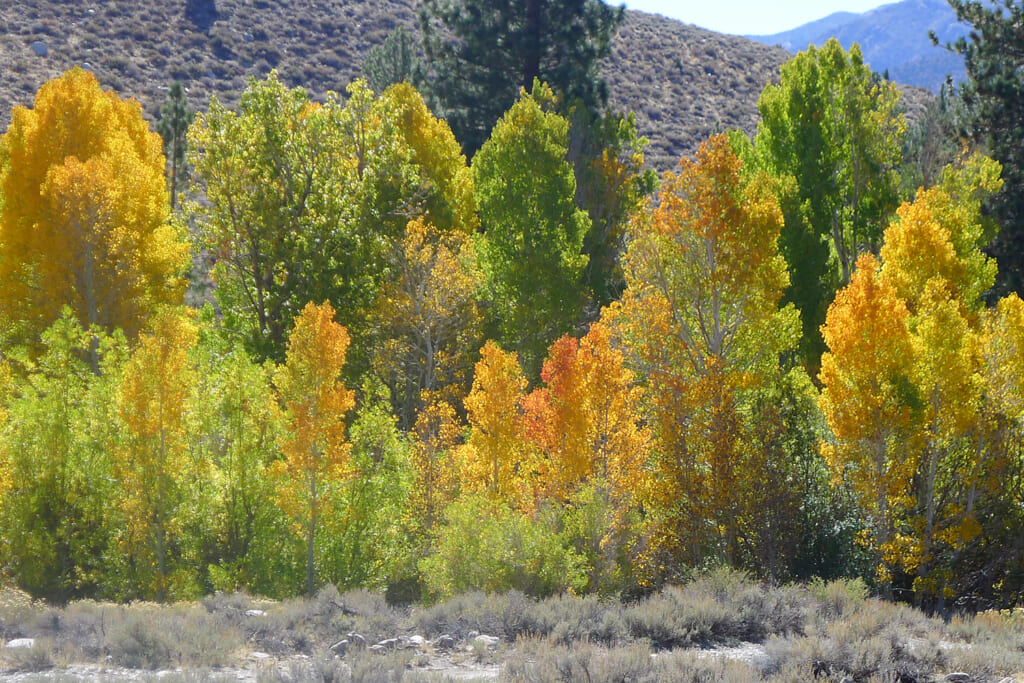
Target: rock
(356,640)
(445,642)
(21,643)
(378,649)
(255,613)
(490,642)
(388,644)
(958,677)
(416,641)
(1008,680)
(472,634)
(40,48)
(259,656)
(340,647)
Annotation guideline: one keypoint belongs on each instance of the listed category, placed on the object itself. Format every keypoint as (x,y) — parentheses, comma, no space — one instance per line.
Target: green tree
(393,61)
(175,118)
(53,450)
(832,132)
(482,52)
(307,201)
(530,251)
(993,117)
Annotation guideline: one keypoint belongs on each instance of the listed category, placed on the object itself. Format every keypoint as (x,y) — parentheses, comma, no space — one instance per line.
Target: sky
(750,17)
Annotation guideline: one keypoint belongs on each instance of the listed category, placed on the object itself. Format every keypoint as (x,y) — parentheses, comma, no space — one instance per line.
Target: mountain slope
(683,82)
(893,37)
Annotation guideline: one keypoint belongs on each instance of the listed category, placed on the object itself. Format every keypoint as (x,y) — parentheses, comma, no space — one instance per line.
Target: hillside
(683,82)
(893,37)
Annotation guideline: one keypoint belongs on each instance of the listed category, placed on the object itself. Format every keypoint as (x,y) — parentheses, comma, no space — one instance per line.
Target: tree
(152,469)
(175,118)
(495,458)
(393,61)
(315,402)
(586,419)
(612,186)
(836,131)
(868,398)
(85,219)
(530,251)
(54,455)
(307,201)
(700,322)
(993,117)
(431,320)
(482,53)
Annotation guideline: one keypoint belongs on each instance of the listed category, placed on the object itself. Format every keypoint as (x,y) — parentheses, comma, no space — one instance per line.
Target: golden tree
(85,219)
(315,402)
(151,464)
(701,322)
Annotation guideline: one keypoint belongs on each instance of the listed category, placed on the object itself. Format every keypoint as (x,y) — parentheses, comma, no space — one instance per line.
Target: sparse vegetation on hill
(683,82)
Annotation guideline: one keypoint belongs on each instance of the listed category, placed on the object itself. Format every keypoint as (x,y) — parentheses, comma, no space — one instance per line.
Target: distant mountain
(683,82)
(892,37)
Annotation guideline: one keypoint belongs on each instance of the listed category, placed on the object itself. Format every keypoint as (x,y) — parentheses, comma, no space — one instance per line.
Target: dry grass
(822,631)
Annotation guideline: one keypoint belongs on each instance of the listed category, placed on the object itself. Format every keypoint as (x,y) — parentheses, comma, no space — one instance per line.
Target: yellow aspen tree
(436,435)
(151,464)
(430,320)
(86,217)
(315,403)
(495,458)
(449,202)
(932,256)
(868,396)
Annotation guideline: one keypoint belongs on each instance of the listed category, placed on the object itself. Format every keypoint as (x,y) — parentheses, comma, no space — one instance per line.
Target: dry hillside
(683,82)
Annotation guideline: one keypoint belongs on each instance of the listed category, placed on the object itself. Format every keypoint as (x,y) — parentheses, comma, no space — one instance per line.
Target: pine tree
(175,118)
(483,52)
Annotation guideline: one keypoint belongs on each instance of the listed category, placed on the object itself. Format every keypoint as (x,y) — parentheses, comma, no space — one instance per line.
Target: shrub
(485,545)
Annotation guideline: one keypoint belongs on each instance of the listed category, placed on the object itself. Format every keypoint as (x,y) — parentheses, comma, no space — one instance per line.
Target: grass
(722,627)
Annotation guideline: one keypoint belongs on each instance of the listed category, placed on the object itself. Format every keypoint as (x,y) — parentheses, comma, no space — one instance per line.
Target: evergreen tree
(393,61)
(482,52)
(175,118)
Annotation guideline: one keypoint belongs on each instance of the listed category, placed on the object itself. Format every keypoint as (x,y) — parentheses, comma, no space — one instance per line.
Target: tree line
(426,375)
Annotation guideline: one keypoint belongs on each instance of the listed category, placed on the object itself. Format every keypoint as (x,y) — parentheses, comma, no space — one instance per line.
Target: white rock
(489,642)
(21,643)
(255,613)
(258,655)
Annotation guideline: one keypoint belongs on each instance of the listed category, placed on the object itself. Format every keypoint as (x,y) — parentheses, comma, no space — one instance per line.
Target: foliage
(560,42)
(156,481)
(530,251)
(430,320)
(175,118)
(991,116)
(393,61)
(306,201)
(54,453)
(836,132)
(495,458)
(85,217)
(701,324)
(313,441)
(486,545)
(369,531)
